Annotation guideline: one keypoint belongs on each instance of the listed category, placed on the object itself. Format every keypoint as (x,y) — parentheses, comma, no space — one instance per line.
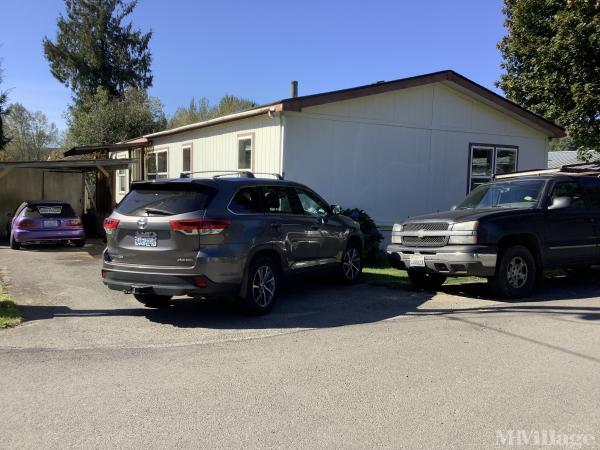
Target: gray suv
(233,234)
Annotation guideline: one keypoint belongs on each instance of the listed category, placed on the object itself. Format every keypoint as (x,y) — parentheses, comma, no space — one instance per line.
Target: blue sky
(254,48)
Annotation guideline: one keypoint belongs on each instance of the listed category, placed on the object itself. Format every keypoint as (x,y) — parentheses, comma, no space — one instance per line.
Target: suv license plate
(417,261)
(145,239)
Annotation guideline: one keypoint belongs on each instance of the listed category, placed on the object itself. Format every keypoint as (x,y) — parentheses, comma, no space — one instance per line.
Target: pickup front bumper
(451,260)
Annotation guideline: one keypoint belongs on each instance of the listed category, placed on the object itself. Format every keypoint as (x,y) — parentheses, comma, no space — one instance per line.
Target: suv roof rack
(226,173)
(581,169)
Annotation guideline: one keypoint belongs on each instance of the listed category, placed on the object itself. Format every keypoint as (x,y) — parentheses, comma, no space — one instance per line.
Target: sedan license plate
(145,239)
(50,223)
(417,261)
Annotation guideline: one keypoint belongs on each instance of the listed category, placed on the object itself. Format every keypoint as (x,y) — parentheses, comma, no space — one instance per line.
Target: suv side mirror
(561,203)
(336,209)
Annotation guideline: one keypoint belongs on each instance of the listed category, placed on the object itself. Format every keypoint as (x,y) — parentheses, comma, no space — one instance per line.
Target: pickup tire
(516,273)
(153,300)
(425,280)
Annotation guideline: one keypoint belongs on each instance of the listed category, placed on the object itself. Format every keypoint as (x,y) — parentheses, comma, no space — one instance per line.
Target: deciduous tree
(552,61)
(103,119)
(32,136)
(198,111)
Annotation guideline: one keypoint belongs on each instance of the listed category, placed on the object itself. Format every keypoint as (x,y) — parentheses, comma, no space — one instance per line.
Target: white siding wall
(216,147)
(402,153)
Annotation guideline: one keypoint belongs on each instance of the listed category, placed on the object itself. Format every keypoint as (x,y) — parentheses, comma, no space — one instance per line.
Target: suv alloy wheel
(263,286)
(351,264)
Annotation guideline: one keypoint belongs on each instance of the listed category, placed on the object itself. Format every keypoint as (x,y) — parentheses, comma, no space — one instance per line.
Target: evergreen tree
(94,49)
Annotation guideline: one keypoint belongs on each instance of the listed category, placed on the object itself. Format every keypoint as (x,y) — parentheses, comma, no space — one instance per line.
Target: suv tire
(516,274)
(351,267)
(425,280)
(13,243)
(262,286)
(153,300)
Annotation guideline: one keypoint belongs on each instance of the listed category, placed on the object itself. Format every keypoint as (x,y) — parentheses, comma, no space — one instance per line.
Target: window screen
(245,153)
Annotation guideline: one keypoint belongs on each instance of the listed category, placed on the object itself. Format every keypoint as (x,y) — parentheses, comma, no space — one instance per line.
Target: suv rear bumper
(456,260)
(160,284)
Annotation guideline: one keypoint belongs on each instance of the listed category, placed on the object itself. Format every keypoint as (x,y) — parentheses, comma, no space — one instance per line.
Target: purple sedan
(44,221)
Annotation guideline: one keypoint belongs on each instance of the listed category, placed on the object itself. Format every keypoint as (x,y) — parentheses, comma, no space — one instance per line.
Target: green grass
(9,313)
(380,273)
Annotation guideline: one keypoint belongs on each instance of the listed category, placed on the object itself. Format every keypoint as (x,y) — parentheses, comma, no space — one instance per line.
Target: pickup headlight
(467,233)
(396,238)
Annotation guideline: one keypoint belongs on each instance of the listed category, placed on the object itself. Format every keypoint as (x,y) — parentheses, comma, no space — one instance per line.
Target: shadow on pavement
(94,247)
(318,304)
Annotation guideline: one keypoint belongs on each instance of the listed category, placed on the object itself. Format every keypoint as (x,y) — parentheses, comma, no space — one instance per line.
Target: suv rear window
(165,200)
(52,210)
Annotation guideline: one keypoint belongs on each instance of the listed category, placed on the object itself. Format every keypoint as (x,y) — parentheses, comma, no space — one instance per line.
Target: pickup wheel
(426,281)
(516,273)
(153,300)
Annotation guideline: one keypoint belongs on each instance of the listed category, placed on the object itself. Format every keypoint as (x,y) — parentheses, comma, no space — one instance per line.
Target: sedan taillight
(75,223)
(26,224)
(200,226)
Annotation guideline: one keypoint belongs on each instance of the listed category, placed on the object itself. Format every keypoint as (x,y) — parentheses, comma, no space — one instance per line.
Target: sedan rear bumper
(474,260)
(48,235)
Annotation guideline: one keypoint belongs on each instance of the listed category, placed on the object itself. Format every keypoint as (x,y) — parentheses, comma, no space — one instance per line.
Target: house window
(489,160)
(122,181)
(245,153)
(156,165)
(187,159)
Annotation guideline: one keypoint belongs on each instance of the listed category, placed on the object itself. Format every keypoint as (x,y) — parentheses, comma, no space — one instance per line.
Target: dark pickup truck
(508,231)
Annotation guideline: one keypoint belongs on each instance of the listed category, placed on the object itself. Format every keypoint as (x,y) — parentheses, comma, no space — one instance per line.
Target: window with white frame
(489,160)
(121,181)
(186,154)
(157,165)
(245,152)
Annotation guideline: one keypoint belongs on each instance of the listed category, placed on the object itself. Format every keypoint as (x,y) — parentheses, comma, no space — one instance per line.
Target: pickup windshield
(505,194)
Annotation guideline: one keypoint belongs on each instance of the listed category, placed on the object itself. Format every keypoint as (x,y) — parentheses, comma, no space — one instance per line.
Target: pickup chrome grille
(416,234)
(426,226)
(427,241)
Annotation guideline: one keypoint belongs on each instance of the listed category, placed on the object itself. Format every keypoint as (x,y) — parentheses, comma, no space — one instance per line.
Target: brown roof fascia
(553,129)
(88,149)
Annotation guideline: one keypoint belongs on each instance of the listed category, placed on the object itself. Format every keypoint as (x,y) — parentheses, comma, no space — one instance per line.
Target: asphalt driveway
(332,366)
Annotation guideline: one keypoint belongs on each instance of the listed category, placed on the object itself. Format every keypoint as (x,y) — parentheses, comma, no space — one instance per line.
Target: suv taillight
(200,226)
(110,225)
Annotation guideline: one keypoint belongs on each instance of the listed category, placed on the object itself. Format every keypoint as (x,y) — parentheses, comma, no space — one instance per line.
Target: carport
(62,180)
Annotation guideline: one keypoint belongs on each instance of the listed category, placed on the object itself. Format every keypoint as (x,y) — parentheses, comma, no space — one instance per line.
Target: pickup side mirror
(561,203)
(336,209)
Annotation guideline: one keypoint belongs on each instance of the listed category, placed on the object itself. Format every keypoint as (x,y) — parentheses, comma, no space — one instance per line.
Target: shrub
(371,234)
